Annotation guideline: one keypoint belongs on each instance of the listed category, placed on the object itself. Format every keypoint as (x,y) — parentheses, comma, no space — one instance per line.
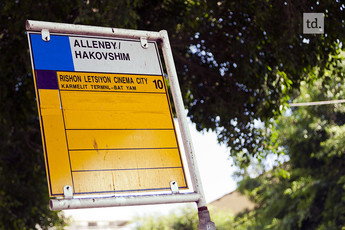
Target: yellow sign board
(105,132)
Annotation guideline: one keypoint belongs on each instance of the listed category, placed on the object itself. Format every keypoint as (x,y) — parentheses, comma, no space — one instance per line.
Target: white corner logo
(313,23)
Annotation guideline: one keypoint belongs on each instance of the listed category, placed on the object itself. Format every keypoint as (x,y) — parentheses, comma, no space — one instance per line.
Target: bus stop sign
(105,115)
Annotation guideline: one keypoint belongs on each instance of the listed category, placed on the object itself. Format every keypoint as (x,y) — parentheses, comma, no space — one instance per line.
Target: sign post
(106,122)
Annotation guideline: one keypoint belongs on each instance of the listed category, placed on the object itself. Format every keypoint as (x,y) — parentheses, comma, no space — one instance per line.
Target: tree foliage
(246,59)
(308,192)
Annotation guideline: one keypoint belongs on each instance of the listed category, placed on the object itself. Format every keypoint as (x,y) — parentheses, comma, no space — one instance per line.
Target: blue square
(54,54)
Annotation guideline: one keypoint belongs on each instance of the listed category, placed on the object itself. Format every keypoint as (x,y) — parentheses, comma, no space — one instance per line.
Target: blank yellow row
(124,159)
(99,110)
(127,180)
(120,139)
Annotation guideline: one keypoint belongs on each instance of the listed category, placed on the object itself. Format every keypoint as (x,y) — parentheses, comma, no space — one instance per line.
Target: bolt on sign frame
(62,90)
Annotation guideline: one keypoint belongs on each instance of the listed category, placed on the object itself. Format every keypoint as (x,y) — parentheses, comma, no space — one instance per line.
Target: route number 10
(158,84)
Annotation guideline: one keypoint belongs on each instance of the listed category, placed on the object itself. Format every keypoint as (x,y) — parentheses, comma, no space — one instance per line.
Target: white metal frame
(162,37)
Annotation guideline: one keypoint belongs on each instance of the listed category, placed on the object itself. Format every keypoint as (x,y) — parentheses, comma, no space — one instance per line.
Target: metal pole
(181,116)
(76,203)
(54,27)
(203,213)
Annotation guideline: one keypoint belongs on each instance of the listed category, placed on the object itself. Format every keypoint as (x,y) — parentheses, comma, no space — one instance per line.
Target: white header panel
(114,56)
